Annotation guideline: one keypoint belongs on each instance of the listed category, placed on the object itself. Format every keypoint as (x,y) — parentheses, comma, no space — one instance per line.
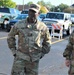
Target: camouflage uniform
(69,53)
(33,43)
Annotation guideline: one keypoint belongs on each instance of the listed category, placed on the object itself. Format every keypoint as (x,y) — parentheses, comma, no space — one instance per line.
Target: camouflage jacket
(33,39)
(69,51)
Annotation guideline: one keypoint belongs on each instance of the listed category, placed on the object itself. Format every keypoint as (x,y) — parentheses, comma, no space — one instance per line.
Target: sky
(53,2)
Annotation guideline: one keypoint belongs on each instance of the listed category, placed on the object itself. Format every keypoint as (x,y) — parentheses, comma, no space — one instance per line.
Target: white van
(62,18)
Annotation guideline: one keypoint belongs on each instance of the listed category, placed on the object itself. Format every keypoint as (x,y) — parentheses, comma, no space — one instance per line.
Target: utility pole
(23,4)
(71,6)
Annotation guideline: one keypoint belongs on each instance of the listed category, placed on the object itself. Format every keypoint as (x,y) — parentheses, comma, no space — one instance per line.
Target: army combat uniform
(69,53)
(34,42)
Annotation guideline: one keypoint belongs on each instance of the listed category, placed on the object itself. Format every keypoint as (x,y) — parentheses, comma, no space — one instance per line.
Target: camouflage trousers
(71,70)
(23,67)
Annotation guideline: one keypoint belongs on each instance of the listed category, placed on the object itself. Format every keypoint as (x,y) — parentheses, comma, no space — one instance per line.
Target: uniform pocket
(22,56)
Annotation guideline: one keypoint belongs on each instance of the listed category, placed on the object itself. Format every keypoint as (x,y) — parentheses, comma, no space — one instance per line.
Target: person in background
(69,54)
(34,42)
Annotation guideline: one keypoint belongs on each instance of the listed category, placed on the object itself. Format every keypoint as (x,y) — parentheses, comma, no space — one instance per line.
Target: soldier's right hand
(42,55)
(67,63)
(14,55)
(14,51)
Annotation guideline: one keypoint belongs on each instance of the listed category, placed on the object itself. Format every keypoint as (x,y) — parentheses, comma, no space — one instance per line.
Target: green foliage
(42,3)
(48,5)
(52,8)
(61,7)
(43,10)
(29,3)
(7,3)
(44,6)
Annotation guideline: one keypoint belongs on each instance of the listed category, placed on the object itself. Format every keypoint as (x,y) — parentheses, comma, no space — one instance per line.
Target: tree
(61,7)
(52,8)
(7,3)
(43,9)
(44,6)
(42,3)
(48,5)
(29,3)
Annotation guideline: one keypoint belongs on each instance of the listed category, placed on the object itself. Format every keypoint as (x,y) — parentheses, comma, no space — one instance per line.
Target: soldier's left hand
(14,55)
(67,63)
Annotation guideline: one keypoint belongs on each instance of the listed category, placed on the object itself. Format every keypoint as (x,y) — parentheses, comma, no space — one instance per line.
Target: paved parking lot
(51,64)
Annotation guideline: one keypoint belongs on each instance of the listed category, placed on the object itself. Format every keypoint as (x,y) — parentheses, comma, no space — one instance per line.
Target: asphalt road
(53,62)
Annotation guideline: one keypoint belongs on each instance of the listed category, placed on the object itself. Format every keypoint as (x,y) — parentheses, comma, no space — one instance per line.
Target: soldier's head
(34,11)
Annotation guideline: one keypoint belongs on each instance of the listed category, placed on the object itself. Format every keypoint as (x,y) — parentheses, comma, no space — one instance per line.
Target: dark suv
(25,11)
(6,14)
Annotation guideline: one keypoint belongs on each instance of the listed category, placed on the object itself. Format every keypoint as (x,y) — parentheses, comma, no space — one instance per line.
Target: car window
(21,16)
(42,15)
(12,11)
(55,16)
(25,11)
(5,10)
(18,12)
(72,15)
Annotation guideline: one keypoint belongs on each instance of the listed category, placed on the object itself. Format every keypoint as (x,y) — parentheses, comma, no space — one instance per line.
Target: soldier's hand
(42,55)
(14,55)
(67,63)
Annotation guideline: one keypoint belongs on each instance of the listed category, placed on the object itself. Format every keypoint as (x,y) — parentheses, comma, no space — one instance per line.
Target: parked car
(18,18)
(25,11)
(42,15)
(72,18)
(6,14)
(63,19)
(13,21)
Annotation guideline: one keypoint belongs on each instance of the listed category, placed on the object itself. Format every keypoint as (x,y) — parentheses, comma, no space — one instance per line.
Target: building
(22,7)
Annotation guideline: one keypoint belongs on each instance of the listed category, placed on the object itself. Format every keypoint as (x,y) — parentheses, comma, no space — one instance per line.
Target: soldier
(33,43)
(69,54)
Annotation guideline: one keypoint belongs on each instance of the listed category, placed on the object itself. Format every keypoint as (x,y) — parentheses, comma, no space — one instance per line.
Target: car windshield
(21,17)
(5,10)
(25,12)
(72,15)
(42,15)
(55,16)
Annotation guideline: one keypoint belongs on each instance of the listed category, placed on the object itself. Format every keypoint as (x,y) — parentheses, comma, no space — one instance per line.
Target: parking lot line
(57,41)
(3,38)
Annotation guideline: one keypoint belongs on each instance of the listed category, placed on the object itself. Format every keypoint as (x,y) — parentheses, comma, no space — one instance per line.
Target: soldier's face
(32,15)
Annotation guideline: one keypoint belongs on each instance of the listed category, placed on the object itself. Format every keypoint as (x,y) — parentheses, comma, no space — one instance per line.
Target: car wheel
(5,23)
(69,30)
(7,27)
(2,26)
